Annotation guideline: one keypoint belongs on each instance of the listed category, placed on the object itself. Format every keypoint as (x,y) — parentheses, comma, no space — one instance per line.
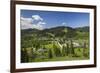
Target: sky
(48,19)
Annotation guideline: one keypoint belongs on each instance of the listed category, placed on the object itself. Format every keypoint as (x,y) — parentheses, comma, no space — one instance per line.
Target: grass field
(65,58)
(51,45)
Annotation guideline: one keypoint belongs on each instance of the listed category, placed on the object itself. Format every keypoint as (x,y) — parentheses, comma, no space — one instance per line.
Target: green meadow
(55,44)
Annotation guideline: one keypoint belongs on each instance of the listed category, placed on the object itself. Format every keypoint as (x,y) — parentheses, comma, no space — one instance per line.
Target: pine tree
(24,56)
(72,48)
(50,54)
(67,51)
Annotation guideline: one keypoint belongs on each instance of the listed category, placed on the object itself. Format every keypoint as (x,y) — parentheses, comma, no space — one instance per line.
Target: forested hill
(59,32)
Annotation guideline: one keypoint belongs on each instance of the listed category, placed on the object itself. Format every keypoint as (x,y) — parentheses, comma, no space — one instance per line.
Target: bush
(78,52)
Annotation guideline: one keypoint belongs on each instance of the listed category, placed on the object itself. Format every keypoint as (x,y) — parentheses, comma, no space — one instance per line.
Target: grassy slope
(29,35)
(65,58)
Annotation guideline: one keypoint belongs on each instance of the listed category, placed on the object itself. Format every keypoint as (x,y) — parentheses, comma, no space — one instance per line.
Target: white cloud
(27,20)
(42,23)
(34,22)
(37,17)
(38,26)
(63,23)
(26,23)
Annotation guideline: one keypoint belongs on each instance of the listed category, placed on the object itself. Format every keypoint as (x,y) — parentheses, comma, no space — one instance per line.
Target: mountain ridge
(60,31)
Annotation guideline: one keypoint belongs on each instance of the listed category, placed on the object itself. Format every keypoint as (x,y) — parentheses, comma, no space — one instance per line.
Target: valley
(55,44)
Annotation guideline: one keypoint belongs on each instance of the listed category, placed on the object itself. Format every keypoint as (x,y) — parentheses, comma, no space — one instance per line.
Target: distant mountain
(60,31)
(83,29)
(29,31)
